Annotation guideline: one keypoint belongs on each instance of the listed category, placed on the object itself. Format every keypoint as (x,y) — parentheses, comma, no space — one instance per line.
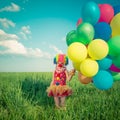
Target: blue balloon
(91,13)
(103,31)
(103,80)
(105,63)
(116,9)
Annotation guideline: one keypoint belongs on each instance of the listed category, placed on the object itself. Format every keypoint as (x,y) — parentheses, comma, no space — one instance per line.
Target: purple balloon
(114,68)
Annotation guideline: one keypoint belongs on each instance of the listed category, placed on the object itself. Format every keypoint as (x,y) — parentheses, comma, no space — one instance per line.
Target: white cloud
(57,50)
(25,32)
(6,23)
(37,53)
(13,46)
(26,29)
(12,8)
(6,36)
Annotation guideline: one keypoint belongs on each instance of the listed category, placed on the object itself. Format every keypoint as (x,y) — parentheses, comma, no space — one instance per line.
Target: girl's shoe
(57,107)
(63,108)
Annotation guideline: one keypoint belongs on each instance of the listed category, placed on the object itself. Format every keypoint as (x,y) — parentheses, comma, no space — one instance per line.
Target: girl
(58,88)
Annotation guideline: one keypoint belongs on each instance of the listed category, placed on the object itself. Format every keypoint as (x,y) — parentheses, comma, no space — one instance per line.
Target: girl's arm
(70,74)
(52,79)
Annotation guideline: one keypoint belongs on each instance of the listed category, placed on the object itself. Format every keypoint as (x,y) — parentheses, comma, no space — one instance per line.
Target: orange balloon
(83,79)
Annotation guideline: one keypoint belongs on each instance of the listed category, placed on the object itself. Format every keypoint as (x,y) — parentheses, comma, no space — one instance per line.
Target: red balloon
(79,21)
(106,13)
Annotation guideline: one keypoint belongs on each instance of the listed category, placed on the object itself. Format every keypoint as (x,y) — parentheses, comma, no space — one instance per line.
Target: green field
(23,97)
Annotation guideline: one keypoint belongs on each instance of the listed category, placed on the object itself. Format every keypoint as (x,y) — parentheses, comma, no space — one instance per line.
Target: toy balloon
(116,61)
(85,33)
(71,37)
(115,25)
(77,52)
(105,63)
(106,13)
(98,49)
(79,21)
(114,46)
(91,13)
(116,76)
(103,80)
(89,67)
(102,30)
(116,9)
(76,66)
(83,79)
(114,68)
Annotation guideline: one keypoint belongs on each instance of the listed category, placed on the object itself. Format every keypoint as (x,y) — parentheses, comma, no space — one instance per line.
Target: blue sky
(32,32)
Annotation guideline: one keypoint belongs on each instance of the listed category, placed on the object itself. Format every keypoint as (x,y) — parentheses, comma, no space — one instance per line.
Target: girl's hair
(61,58)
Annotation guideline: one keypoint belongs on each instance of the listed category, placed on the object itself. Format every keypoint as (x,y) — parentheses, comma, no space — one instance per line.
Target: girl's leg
(62,101)
(57,102)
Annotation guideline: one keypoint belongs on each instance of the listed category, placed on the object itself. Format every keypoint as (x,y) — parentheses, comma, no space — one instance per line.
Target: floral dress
(59,87)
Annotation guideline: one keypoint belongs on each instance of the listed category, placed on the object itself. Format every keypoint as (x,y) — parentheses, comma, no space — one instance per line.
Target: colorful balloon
(102,31)
(106,13)
(77,52)
(76,66)
(116,9)
(71,37)
(103,80)
(114,68)
(89,67)
(79,21)
(98,49)
(91,13)
(116,76)
(116,61)
(105,63)
(85,33)
(114,46)
(83,79)
(115,25)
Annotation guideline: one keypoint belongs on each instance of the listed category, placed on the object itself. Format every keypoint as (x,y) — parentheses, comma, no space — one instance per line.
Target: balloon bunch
(94,47)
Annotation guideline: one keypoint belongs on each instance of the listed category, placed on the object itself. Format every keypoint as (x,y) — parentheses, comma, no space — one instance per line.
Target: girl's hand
(72,72)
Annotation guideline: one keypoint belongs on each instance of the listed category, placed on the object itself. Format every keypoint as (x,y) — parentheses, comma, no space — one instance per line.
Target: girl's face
(60,65)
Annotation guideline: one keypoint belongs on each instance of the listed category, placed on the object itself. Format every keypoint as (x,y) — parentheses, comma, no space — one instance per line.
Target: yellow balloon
(76,66)
(77,52)
(98,49)
(89,67)
(115,25)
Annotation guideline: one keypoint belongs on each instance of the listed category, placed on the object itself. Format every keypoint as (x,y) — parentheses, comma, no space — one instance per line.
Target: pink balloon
(79,21)
(99,5)
(114,68)
(106,13)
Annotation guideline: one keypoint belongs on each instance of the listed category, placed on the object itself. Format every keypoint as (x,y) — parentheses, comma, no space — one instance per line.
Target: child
(58,88)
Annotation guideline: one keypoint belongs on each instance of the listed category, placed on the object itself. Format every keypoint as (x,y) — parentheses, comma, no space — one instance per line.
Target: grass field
(23,97)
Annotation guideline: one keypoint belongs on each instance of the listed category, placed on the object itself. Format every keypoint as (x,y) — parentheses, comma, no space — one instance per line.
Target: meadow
(23,97)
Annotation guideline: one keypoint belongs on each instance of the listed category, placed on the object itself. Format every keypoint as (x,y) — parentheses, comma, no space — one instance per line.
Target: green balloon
(71,37)
(116,61)
(114,46)
(85,32)
(116,76)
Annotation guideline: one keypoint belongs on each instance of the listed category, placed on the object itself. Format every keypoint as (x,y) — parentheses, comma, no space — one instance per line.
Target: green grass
(23,97)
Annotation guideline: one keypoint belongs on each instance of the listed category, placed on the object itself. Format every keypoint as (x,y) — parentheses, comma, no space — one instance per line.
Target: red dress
(59,87)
